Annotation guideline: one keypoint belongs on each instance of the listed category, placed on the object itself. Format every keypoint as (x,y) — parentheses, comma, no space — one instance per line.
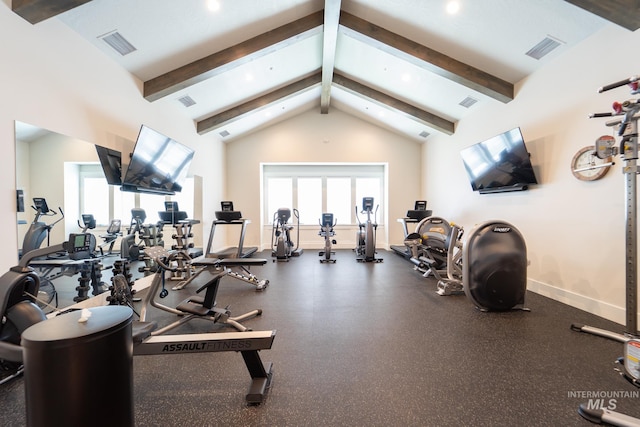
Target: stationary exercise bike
(88,223)
(281,242)
(110,236)
(326,231)
(366,234)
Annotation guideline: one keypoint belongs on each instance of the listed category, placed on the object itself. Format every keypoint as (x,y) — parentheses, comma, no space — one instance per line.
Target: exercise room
(319,213)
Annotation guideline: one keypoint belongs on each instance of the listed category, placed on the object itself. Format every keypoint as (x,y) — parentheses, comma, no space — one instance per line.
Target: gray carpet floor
(364,344)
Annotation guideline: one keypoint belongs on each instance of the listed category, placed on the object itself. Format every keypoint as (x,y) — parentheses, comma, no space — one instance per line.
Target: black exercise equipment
(366,235)
(282,245)
(326,231)
(428,246)
(39,230)
(88,223)
(414,216)
(148,235)
(494,267)
(18,296)
(490,266)
(209,272)
(19,285)
(111,235)
(229,217)
(183,226)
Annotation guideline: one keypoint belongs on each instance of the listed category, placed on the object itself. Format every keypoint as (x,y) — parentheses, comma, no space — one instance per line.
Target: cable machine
(627,130)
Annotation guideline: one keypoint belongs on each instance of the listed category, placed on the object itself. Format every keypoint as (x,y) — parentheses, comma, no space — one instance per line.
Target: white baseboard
(593,306)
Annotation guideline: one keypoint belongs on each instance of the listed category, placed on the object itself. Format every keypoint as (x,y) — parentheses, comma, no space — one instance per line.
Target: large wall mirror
(67,173)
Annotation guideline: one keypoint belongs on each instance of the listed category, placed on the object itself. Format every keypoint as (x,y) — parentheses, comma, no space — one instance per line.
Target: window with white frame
(313,189)
(94,193)
(107,202)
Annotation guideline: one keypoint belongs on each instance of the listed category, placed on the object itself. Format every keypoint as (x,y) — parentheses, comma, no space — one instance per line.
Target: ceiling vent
(187,101)
(424,134)
(544,47)
(118,43)
(468,102)
(224,134)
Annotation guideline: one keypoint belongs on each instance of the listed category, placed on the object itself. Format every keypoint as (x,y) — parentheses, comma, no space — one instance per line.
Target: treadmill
(229,217)
(414,216)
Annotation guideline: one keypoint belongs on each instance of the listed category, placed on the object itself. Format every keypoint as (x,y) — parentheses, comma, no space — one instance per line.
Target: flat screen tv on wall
(499,164)
(111,161)
(158,164)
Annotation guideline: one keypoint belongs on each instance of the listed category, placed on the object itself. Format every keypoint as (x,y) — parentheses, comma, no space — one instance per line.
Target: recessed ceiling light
(453,7)
(213,5)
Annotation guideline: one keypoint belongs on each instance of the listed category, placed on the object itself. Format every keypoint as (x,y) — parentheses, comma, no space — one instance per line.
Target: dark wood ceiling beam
(35,11)
(625,13)
(235,113)
(426,58)
(415,113)
(232,57)
(331,20)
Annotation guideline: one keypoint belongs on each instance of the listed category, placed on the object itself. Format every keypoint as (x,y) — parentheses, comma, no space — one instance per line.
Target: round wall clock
(587,166)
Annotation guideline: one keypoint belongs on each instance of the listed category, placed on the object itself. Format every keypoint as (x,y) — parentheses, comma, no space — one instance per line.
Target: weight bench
(238,268)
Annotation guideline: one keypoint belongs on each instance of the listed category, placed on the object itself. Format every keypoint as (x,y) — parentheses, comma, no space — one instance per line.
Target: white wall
(53,79)
(302,140)
(574,229)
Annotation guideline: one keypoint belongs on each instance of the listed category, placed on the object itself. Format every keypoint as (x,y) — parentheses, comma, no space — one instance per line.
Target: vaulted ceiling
(411,66)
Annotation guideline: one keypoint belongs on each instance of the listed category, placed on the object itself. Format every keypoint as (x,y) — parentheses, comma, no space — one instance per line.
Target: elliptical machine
(38,230)
(281,242)
(490,266)
(366,234)
(326,231)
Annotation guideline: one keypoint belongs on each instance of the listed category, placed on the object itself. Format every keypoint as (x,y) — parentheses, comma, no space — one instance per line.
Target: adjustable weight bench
(208,275)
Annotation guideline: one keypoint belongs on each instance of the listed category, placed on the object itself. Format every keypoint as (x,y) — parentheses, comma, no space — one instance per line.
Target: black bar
(618,84)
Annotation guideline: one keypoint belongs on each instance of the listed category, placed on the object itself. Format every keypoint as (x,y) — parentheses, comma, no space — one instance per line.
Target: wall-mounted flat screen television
(499,164)
(158,164)
(111,161)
